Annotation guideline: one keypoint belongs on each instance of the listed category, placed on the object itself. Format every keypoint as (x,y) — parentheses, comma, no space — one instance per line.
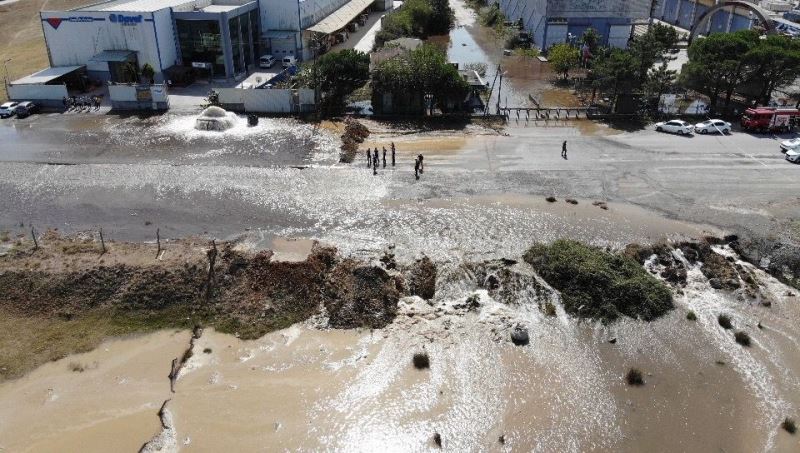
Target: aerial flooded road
(481,197)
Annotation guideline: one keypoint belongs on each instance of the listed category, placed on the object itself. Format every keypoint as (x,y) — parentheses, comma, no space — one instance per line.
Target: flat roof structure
(45,76)
(338,19)
(143,6)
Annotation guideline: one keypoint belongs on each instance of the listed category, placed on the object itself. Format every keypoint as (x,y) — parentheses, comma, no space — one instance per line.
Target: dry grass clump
(742,338)
(634,377)
(551,199)
(691,316)
(207,351)
(789,425)
(549,308)
(572,201)
(725,321)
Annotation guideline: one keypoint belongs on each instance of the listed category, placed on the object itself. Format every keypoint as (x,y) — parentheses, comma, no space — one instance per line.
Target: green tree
(615,72)
(148,72)
(773,62)
(563,58)
(592,39)
(336,75)
(716,64)
(418,19)
(659,81)
(650,47)
(130,72)
(423,71)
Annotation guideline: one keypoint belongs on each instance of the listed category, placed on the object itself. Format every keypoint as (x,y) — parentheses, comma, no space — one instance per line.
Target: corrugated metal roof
(46,75)
(341,17)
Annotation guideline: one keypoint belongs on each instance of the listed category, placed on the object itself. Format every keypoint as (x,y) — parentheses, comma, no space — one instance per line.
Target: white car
(266,61)
(793,156)
(289,61)
(790,145)
(713,126)
(7,109)
(679,127)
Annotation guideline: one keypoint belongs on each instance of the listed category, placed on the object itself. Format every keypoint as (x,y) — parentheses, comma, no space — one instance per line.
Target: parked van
(266,61)
(289,61)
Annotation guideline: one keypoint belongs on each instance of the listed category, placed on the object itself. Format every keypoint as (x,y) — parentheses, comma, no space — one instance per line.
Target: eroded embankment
(247,294)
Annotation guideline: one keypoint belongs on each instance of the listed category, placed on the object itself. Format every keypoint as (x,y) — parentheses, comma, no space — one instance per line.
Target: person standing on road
(375,157)
(369,158)
(384,157)
(375,166)
(392,154)
(564,149)
(421,165)
(416,168)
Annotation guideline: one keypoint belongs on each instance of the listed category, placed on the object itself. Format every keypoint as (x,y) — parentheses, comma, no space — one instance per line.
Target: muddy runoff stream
(309,388)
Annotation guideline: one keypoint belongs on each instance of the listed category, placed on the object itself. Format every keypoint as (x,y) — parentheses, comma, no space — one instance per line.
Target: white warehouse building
(220,38)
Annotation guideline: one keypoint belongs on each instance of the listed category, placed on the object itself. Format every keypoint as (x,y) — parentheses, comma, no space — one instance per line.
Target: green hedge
(598,284)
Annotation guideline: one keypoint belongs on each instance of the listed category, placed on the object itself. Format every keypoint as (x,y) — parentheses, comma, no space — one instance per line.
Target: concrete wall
(266,100)
(74,37)
(618,36)
(46,95)
(127,97)
(280,15)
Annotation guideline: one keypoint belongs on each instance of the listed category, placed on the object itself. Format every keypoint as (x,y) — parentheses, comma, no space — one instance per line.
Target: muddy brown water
(311,389)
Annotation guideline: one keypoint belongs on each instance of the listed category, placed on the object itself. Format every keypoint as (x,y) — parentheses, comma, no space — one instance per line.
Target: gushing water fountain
(215,119)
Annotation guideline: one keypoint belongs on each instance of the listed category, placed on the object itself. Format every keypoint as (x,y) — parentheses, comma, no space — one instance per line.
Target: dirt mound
(421,278)
(360,296)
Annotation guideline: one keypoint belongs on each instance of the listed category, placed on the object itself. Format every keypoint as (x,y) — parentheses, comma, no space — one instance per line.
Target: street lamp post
(5,72)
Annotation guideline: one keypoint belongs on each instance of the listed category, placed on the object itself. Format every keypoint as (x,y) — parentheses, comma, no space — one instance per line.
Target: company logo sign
(55,22)
(125,20)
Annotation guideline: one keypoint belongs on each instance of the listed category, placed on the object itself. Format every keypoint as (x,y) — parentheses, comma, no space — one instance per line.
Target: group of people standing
(374,160)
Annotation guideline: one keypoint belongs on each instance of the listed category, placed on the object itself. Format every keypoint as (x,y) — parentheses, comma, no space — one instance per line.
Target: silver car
(7,109)
(712,126)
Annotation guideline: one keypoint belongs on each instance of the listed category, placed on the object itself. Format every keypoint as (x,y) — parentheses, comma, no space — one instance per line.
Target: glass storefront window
(201,41)
(236,44)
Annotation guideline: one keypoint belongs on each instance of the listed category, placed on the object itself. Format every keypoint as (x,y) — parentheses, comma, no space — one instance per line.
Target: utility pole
(491,90)
(5,71)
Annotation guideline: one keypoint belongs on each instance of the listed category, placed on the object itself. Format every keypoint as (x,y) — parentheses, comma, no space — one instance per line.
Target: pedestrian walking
(416,168)
(384,157)
(421,165)
(375,157)
(564,149)
(375,166)
(392,154)
(369,158)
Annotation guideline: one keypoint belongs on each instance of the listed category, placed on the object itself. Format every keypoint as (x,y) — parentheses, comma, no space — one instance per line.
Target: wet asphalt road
(131,175)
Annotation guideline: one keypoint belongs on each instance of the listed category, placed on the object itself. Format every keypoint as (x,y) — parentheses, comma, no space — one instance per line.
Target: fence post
(35,242)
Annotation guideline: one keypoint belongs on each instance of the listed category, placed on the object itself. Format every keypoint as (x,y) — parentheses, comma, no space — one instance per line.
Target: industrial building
(551,22)
(220,39)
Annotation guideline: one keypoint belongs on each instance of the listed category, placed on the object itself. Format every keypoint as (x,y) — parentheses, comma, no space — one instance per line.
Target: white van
(289,61)
(266,61)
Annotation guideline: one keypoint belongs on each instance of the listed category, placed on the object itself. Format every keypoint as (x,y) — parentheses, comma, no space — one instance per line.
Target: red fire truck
(770,119)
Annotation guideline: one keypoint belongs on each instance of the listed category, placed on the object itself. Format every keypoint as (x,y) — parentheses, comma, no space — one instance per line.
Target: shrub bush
(634,377)
(742,338)
(421,361)
(691,316)
(789,425)
(598,284)
(725,321)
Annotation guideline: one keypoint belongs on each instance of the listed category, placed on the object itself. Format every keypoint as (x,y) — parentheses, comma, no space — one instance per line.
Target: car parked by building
(790,145)
(266,62)
(289,61)
(712,126)
(793,156)
(7,109)
(679,127)
(25,109)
